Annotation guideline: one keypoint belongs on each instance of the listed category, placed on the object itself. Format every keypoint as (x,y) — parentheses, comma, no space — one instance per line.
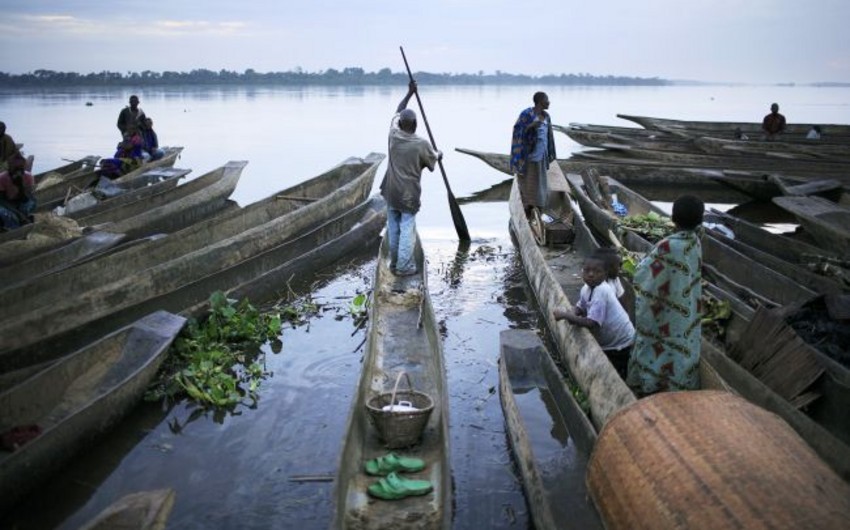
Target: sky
(739,41)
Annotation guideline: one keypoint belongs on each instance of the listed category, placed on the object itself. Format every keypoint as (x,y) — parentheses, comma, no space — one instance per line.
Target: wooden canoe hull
(69,169)
(827,222)
(171,272)
(403,336)
(793,131)
(577,347)
(550,436)
(147,186)
(658,180)
(171,210)
(143,510)
(51,196)
(354,177)
(78,398)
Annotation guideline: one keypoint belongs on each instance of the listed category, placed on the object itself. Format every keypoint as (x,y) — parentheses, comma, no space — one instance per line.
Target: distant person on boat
(814,133)
(740,135)
(773,124)
(130,115)
(128,156)
(17,194)
(8,147)
(667,316)
(150,141)
(599,310)
(532,150)
(408,156)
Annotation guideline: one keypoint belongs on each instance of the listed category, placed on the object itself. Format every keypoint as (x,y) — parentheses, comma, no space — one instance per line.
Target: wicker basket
(708,459)
(400,428)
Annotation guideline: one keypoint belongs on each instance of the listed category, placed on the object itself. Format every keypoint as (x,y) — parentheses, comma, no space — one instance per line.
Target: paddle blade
(457,218)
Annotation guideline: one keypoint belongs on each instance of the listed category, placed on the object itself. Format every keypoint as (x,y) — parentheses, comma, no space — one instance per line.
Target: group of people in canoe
(139,142)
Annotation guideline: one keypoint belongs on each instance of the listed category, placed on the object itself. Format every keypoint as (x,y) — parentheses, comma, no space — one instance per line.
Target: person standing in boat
(667,307)
(532,150)
(773,124)
(409,154)
(130,115)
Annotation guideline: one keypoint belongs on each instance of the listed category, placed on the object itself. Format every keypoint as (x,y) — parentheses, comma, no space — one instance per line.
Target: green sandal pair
(392,463)
(394,487)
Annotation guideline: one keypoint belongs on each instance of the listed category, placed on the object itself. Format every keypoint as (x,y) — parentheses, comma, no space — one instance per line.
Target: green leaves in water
(651,226)
(219,362)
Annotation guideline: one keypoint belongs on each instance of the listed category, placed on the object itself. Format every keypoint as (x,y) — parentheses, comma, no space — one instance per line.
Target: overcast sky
(750,41)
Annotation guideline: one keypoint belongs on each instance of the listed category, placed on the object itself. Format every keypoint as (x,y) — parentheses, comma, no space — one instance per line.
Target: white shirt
(615,330)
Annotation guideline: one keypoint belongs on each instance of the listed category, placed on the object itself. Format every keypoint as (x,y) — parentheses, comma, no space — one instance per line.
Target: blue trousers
(401,234)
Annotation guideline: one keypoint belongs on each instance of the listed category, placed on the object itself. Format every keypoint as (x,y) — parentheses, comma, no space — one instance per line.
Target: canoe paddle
(457,215)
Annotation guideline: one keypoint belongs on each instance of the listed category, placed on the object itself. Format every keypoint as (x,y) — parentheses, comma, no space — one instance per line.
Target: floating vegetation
(219,362)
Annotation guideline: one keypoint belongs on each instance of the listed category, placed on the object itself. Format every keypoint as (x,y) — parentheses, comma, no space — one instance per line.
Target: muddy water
(272,466)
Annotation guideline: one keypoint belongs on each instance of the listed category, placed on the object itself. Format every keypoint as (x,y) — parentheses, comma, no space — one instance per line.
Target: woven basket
(709,459)
(400,428)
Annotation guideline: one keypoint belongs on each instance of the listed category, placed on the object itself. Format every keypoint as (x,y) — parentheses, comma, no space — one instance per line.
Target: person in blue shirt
(532,150)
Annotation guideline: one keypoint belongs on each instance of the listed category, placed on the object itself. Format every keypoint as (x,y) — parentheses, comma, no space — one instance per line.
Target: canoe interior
(550,436)
(397,342)
(79,397)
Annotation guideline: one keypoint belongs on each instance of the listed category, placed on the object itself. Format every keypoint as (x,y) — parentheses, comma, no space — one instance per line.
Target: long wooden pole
(457,215)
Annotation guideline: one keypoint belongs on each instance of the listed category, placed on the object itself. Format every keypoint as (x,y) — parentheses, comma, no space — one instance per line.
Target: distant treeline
(347,76)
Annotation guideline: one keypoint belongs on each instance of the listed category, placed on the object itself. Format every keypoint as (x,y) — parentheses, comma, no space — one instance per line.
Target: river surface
(247,470)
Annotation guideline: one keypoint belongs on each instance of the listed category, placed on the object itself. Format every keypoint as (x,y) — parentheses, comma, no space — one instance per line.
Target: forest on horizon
(346,76)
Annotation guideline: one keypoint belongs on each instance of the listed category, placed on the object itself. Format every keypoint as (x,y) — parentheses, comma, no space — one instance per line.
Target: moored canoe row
(176,271)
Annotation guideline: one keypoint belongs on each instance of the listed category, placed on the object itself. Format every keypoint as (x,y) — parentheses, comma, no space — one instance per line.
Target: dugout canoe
(50,196)
(170,207)
(55,259)
(144,185)
(609,140)
(79,398)
(553,275)
(270,275)
(827,222)
(786,164)
(54,314)
(550,436)
(793,131)
(403,336)
(790,249)
(813,148)
(71,168)
(661,181)
(733,271)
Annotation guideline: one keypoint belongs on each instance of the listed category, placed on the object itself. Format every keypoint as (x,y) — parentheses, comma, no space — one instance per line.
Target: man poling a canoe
(409,154)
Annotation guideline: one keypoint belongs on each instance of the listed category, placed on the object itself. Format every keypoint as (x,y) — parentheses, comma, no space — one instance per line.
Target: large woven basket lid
(710,459)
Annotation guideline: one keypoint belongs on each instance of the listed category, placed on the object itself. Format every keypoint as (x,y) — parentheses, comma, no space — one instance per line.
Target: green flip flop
(394,487)
(391,462)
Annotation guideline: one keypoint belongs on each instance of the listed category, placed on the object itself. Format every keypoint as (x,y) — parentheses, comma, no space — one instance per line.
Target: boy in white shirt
(599,310)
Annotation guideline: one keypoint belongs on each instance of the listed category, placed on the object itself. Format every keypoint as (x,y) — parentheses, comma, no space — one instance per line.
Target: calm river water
(237,471)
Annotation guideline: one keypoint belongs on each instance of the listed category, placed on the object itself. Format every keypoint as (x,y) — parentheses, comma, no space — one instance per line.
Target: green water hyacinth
(218,362)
